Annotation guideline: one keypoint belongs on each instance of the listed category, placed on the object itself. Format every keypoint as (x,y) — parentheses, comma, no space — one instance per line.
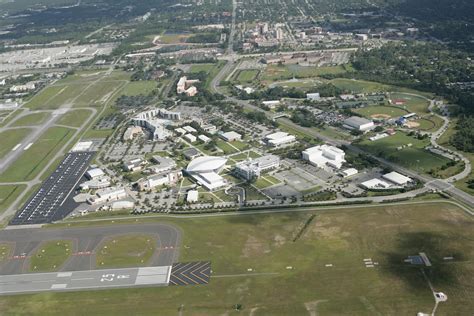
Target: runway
(84,280)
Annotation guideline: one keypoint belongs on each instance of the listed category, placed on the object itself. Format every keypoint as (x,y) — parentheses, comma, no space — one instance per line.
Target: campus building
(279,139)
(107,195)
(358,123)
(166,178)
(186,86)
(324,155)
(254,168)
(205,170)
(156,121)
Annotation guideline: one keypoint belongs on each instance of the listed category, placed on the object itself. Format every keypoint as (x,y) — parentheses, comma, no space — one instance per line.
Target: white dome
(206,164)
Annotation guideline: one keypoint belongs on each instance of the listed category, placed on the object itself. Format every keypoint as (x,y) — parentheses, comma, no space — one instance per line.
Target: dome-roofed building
(205,171)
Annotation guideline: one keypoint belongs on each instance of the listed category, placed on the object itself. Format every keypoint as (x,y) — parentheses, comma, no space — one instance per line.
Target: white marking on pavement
(16,147)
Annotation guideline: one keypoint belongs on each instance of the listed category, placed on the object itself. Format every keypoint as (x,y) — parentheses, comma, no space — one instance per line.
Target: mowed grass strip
(277,72)
(264,243)
(32,119)
(5,250)
(8,194)
(10,138)
(33,160)
(50,256)
(42,99)
(126,251)
(74,118)
(139,87)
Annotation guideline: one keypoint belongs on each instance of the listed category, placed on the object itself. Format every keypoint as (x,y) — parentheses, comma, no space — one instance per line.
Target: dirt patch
(254,247)
(380,116)
(311,307)
(279,240)
(412,124)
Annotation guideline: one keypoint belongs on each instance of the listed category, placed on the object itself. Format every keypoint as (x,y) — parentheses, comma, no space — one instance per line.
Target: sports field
(246,75)
(273,72)
(33,160)
(413,157)
(10,138)
(412,103)
(302,263)
(50,256)
(374,112)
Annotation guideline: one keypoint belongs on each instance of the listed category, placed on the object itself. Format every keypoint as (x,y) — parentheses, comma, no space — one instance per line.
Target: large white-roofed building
(397,178)
(358,123)
(205,170)
(156,121)
(324,155)
(279,139)
(253,168)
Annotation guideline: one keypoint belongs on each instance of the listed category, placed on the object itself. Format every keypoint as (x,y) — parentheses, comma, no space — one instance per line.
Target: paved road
(86,241)
(81,280)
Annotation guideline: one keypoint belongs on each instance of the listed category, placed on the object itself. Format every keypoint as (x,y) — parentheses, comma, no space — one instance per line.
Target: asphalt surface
(47,204)
(84,280)
(86,241)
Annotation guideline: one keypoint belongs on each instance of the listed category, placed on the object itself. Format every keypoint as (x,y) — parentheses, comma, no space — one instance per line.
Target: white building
(122,205)
(397,178)
(376,184)
(162,164)
(205,170)
(254,168)
(325,155)
(169,178)
(134,165)
(94,173)
(204,138)
(189,129)
(156,121)
(349,172)
(209,128)
(271,104)
(107,195)
(231,136)
(313,96)
(190,138)
(95,184)
(180,131)
(192,196)
(358,123)
(23,88)
(186,86)
(279,139)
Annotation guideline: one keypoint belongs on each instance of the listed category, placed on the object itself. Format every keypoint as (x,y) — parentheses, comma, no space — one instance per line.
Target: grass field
(74,118)
(5,250)
(372,111)
(360,86)
(211,69)
(274,73)
(8,194)
(51,255)
(414,157)
(246,75)
(139,87)
(33,160)
(126,251)
(32,119)
(265,244)
(10,138)
(412,103)
(228,149)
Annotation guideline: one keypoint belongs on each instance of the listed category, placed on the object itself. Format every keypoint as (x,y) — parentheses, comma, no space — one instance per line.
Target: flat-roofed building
(107,195)
(204,138)
(162,164)
(190,138)
(166,178)
(231,136)
(255,167)
(192,196)
(324,155)
(358,123)
(134,165)
(397,178)
(375,184)
(94,173)
(279,139)
(191,153)
(349,172)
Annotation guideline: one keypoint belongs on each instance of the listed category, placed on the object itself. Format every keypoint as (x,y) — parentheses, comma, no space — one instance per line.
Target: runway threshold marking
(190,273)
(16,147)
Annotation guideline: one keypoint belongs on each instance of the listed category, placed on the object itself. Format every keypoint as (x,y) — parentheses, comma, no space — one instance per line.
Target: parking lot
(45,205)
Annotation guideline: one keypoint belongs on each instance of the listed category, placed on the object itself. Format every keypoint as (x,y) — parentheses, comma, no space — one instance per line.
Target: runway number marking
(110,277)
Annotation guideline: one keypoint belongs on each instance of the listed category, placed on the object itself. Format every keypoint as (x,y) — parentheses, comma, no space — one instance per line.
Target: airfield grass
(8,194)
(414,157)
(97,94)
(10,138)
(41,100)
(265,243)
(74,118)
(5,250)
(369,111)
(32,119)
(33,160)
(126,251)
(139,87)
(50,256)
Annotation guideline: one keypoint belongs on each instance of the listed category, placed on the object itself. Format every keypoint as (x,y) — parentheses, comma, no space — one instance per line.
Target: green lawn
(5,250)
(8,194)
(264,243)
(414,157)
(51,255)
(74,118)
(43,99)
(32,119)
(360,86)
(246,75)
(412,103)
(262,183)
(211,69)
(10,138)
(33,160)
(126,251)
(228,149)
